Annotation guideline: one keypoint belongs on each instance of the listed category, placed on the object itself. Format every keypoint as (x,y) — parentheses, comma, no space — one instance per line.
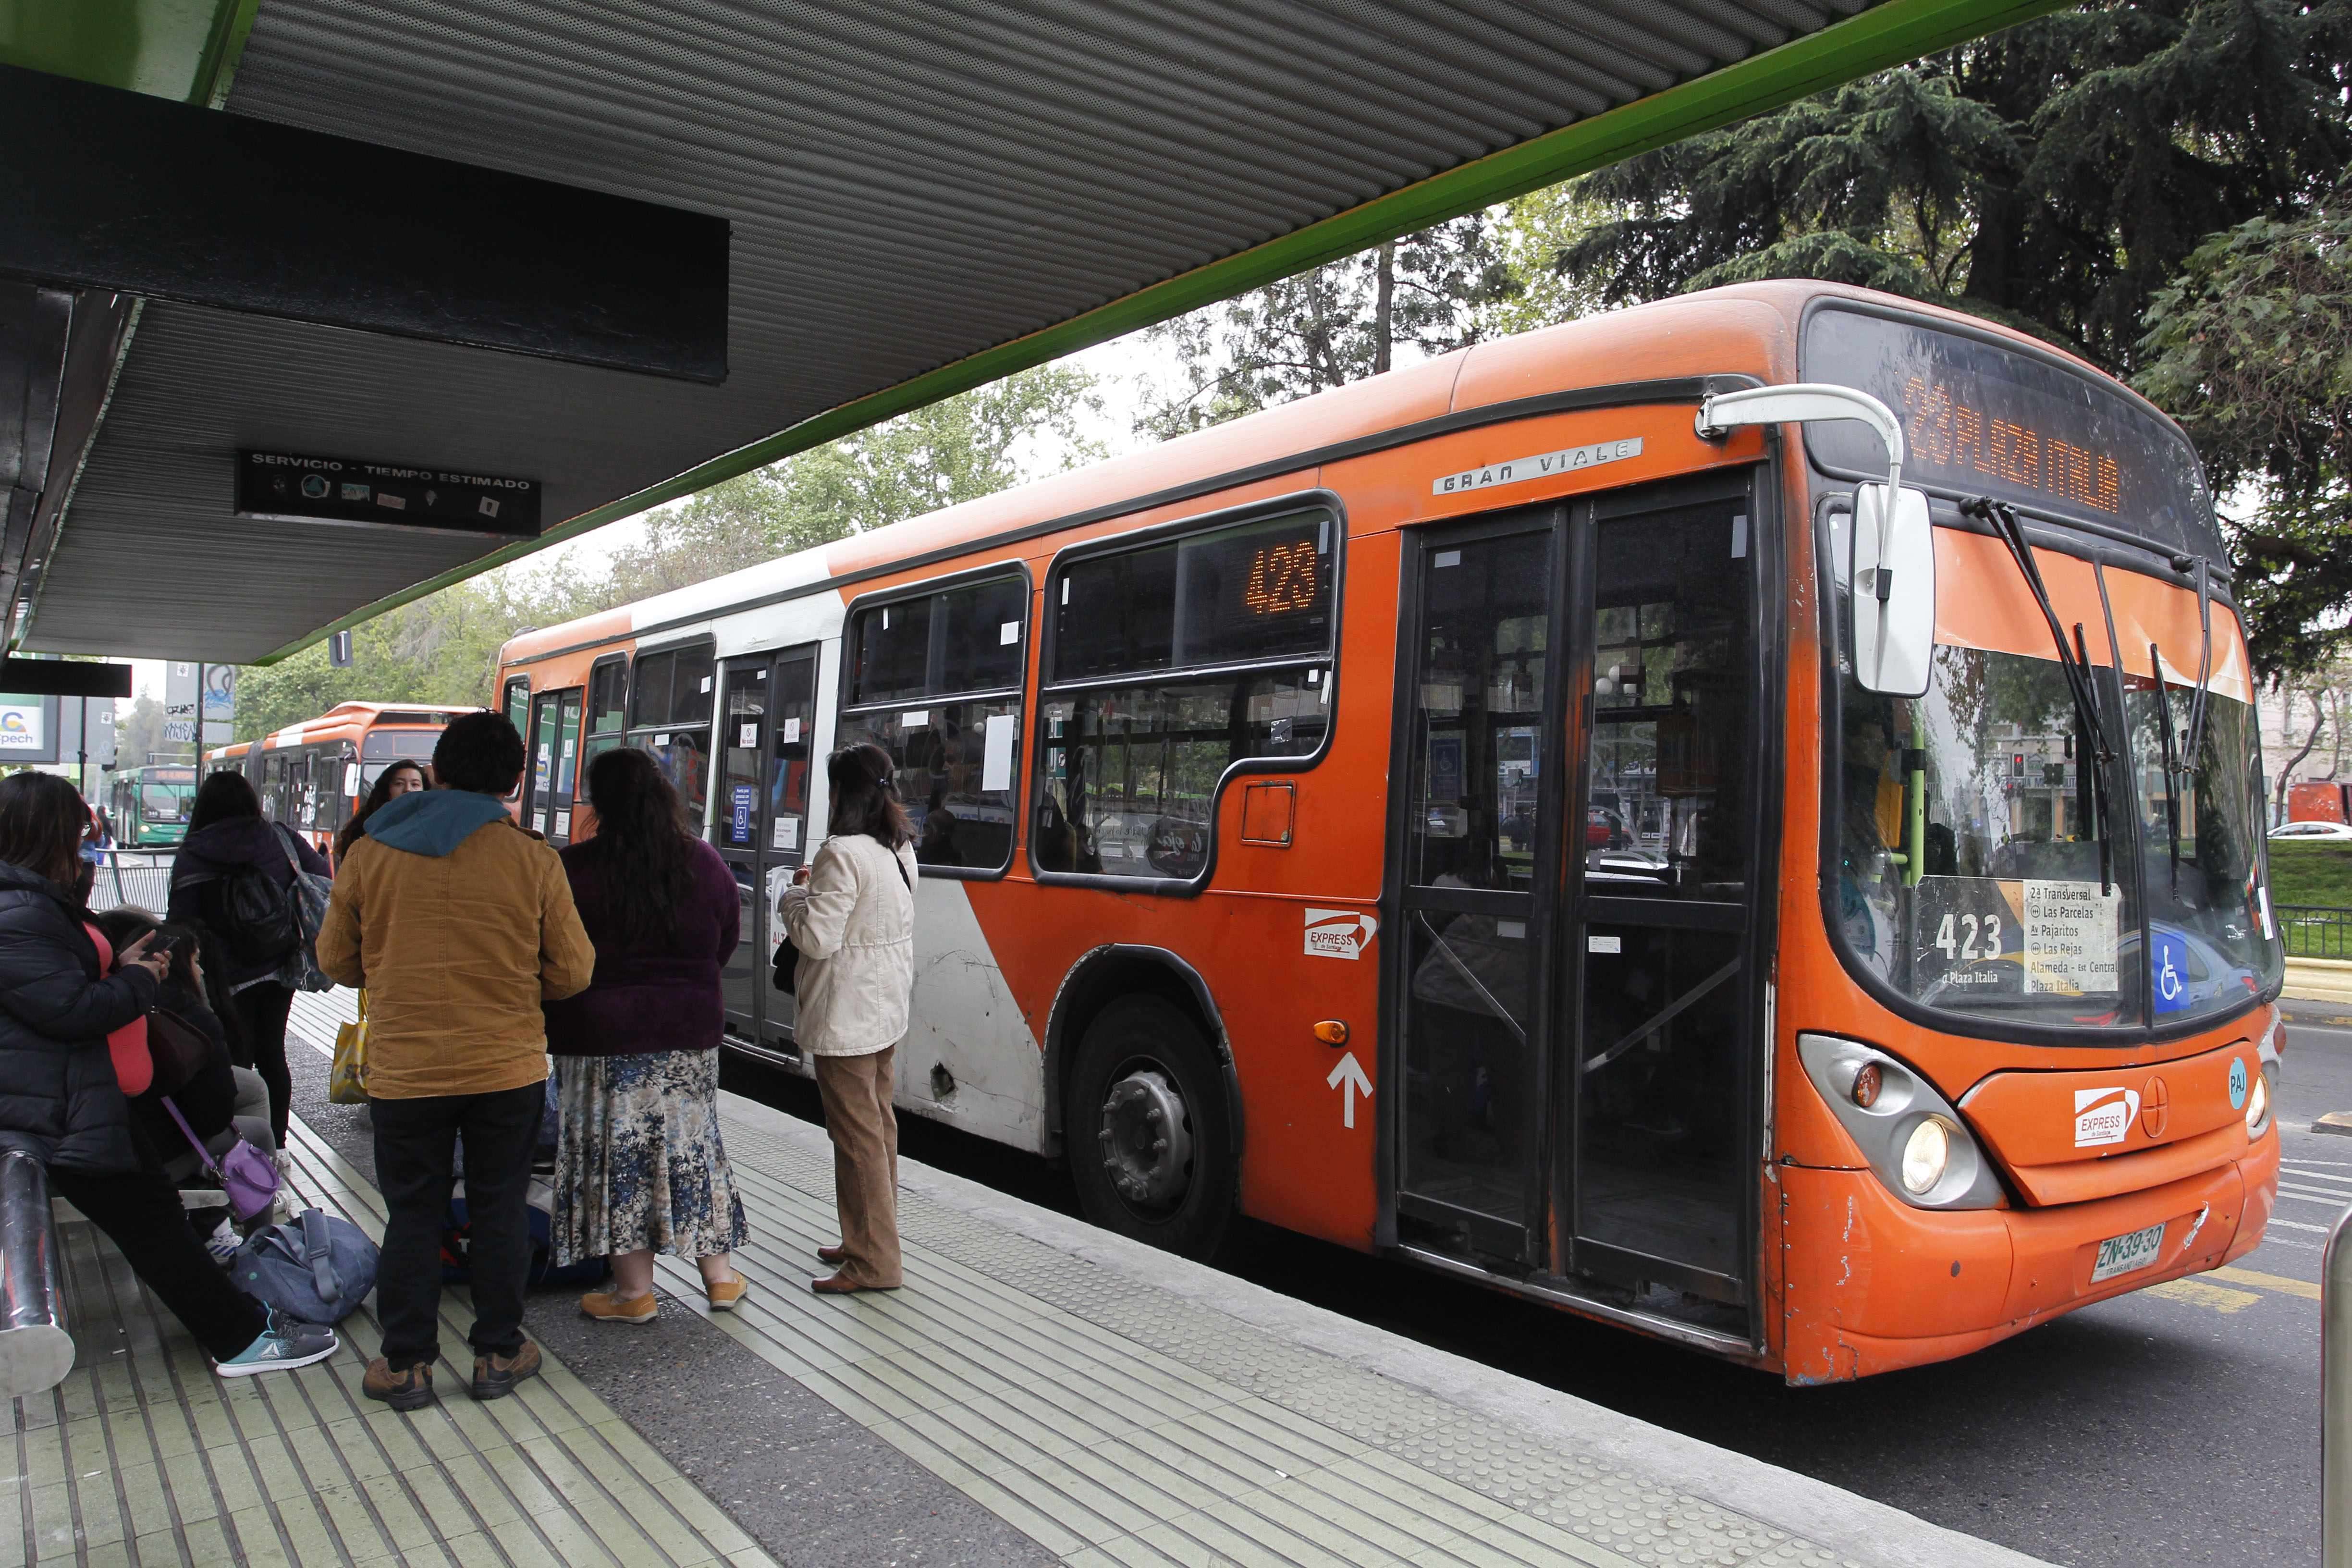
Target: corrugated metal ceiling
(910,182)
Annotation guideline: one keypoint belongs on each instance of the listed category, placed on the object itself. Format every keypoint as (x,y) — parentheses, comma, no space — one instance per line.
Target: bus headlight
(2258,1104)
(1916,1143)
(1926,1155)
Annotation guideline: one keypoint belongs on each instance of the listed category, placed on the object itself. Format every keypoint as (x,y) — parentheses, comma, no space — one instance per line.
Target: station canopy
(607,256)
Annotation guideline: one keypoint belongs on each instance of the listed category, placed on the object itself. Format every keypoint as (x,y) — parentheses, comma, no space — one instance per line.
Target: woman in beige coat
(851,915)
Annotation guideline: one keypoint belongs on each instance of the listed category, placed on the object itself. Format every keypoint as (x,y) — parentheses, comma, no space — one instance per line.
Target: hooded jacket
(460,924)
(200,876)
(59,1098)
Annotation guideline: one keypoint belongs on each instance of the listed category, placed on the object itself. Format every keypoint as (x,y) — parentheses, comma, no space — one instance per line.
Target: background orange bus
(312,776)
(1470,814)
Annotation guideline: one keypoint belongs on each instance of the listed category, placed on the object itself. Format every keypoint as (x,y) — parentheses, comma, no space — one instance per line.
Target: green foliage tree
(963,448)
(2252,350)
(139,730)
(1432,292)
(2055,176)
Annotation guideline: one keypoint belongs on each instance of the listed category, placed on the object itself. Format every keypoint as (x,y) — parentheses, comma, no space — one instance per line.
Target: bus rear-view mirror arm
(1893,618)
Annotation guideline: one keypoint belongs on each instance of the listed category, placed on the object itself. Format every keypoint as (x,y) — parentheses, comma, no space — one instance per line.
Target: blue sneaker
(285,1345)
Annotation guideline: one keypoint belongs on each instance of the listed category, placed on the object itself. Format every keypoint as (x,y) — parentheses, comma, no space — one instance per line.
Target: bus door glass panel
(1660,1050)
(539,795)
(786,843)
(517,711)
(737,825)
(273,786)
(567,769)
(1468,1174)
(297,791)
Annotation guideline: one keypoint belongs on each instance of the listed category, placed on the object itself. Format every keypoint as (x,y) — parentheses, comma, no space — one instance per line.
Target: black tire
(1130,1041)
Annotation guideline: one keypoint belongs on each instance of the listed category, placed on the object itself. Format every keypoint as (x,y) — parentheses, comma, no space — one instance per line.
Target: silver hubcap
(1146,1139)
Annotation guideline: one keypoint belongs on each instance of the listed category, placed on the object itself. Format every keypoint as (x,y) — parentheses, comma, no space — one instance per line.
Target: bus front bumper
(1875,1285)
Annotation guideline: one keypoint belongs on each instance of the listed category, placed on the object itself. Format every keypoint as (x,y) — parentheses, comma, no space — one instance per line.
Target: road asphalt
(2178,1425)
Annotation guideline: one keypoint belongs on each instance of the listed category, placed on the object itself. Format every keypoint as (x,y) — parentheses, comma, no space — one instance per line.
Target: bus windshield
(163,802)
(1975,873)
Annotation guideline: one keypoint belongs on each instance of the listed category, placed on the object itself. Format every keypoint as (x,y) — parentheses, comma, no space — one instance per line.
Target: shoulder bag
(301,970)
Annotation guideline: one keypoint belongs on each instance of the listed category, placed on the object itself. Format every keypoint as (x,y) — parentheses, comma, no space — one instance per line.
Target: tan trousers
(864,1132)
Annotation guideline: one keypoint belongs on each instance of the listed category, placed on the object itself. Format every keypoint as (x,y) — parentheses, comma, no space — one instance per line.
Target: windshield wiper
(2173,773)
(2074,662)
(2193,744)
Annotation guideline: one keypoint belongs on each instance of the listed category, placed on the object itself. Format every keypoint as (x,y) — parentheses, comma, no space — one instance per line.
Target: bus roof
(348,719)
(1748,328)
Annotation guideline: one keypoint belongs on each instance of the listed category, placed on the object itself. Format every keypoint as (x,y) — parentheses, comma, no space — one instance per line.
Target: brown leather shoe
(843,1285)
(833,1254)
(724,1293)
(411,1388)
(494,1376)
(612,1307)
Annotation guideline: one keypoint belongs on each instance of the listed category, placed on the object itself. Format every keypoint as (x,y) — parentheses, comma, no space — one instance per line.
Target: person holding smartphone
(60,1101)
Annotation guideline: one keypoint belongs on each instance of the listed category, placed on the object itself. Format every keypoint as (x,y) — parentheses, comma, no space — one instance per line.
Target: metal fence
(140,877)
(2315,931)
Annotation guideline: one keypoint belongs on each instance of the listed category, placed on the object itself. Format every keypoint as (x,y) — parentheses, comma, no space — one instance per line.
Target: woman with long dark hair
(227,838)
(850,913)
(60,1100)
(403,777)
(639,1167)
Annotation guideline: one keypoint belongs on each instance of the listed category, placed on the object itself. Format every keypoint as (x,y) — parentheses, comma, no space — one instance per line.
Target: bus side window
(607,709)
(1224,642)
(669,704)
(936,682)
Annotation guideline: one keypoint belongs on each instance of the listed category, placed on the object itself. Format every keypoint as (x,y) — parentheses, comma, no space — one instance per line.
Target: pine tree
(2054,176)
(2251,350)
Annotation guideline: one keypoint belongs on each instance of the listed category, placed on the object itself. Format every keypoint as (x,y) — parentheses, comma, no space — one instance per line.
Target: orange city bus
(1832,981)
(312,776)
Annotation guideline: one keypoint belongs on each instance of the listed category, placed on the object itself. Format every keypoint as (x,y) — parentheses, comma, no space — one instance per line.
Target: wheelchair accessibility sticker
(2169,972)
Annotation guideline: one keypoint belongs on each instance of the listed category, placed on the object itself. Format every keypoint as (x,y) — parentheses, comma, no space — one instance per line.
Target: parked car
(2310,830)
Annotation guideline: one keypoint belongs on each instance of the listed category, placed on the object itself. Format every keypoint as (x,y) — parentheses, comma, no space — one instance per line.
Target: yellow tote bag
(347,1078)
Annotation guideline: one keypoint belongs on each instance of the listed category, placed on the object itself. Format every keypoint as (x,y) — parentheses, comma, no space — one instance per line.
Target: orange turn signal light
(1866,1085)
(1331,1032)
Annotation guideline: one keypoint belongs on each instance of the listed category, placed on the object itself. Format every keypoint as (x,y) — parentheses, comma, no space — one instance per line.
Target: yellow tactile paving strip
(142,1456)
(1117,1423)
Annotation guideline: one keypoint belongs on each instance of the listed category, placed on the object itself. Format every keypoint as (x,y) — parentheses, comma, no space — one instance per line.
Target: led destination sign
(288,487)
(1980,419)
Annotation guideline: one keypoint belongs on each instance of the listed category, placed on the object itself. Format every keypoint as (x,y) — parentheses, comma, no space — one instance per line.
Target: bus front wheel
(1146,1124)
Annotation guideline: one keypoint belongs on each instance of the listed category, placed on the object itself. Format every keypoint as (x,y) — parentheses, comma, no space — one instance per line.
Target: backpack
(260,917)
(457,1233)
(317,1268)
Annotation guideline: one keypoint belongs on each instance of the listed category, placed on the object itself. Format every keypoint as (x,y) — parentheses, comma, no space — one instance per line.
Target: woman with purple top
(639,1167)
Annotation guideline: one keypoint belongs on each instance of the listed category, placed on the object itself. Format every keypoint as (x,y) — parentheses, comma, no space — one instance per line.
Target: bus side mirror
(1894,598)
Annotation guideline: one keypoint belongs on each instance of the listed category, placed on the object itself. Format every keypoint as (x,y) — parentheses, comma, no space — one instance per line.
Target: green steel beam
(1887,35)
(181,50)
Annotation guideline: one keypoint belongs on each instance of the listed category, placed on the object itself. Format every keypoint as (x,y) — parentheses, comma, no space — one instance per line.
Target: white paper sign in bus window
(2070,936)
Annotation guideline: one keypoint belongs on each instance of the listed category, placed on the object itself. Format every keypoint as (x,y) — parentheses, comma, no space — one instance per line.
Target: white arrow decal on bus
(1350,1072)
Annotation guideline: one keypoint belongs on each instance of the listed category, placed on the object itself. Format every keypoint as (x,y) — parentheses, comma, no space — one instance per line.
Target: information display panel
(1980,419)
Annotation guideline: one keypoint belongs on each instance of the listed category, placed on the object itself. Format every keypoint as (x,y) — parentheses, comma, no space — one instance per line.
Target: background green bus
(151,804)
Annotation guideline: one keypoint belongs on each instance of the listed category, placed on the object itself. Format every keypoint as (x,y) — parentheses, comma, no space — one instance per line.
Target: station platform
(1040,1392)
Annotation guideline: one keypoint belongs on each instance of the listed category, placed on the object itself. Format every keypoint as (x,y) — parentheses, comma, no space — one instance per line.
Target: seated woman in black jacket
(223,1102)
(59,1100)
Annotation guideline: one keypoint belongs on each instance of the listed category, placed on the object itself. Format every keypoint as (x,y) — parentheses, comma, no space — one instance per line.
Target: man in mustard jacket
(459,923)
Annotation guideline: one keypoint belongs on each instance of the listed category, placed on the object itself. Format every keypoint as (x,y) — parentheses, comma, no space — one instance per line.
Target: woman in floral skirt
(639,1168)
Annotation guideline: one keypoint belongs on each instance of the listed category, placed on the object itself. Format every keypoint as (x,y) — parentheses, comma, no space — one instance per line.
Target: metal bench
(36,1350)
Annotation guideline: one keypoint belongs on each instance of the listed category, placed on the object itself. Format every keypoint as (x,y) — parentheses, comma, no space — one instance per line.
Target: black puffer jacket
(57,1094)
